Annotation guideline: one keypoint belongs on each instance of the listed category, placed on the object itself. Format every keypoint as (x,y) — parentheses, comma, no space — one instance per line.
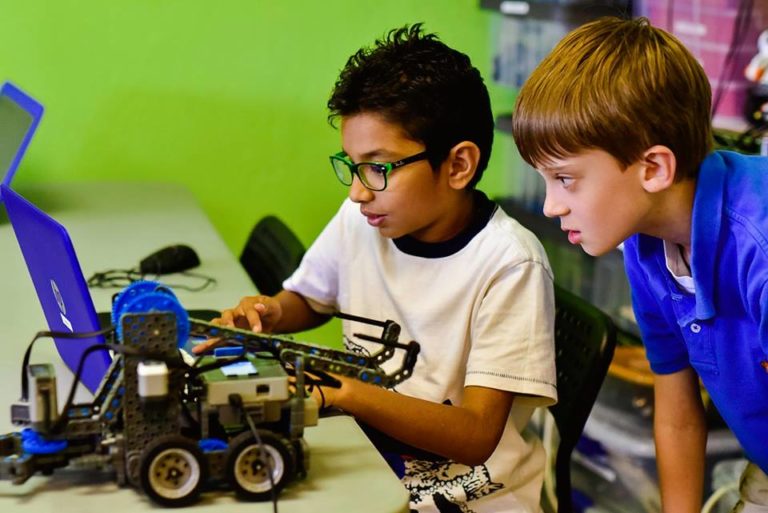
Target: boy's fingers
(206,345)
(254,316)
(227,318)
(242,321)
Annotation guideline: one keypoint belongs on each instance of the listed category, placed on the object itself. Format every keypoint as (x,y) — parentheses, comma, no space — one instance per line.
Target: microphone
(171,259)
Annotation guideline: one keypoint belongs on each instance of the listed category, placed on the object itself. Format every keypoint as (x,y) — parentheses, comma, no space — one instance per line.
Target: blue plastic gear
(131,292)
(212,444)
(160,301)
(32,442)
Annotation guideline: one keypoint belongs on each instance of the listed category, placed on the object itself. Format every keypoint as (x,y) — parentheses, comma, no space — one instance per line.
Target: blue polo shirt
(722,330)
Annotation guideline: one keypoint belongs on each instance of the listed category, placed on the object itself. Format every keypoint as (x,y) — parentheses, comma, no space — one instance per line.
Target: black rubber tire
(172,471)
(246,471)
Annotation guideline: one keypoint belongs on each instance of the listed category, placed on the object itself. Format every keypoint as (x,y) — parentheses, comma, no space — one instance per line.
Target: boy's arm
(466,433)
(297,315)
(681,436)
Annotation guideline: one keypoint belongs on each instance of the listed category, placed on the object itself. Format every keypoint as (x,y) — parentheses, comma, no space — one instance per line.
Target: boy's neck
(465,213)
(462,232)
(459,213)
(671,216)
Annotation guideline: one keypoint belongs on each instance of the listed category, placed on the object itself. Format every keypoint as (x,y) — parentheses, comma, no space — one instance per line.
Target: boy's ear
(659,167)
(462,164)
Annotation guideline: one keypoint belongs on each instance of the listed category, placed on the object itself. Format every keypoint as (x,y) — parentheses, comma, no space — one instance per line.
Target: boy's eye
(380,169)
(565,180)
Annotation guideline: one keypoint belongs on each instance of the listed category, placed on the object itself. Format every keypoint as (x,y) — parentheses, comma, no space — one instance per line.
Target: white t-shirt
(678,268)
(481,307)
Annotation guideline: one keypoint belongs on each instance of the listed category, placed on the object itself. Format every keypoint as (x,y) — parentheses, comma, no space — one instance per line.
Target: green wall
(227,98)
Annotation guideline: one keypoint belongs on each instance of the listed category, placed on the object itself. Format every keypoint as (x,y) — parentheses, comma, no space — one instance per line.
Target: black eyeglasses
(373,175)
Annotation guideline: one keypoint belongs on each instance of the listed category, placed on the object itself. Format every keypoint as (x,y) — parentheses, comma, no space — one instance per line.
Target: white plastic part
(153,380)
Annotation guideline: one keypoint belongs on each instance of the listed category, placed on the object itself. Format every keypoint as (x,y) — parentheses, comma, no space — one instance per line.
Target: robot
(171,425)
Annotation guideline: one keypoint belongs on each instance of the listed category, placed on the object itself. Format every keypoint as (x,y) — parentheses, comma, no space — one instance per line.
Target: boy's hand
(259,314)
(324,395)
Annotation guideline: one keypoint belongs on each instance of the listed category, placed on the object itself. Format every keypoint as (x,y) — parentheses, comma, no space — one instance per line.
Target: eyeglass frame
(388,167)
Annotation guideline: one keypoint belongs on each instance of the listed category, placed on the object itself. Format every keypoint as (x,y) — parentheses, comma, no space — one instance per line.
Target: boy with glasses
(617,119)
(416,243)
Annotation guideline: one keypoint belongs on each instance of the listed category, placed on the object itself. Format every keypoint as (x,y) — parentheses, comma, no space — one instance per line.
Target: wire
(237,400)
(53,334)
(119,278)
(175,361)
(114,278)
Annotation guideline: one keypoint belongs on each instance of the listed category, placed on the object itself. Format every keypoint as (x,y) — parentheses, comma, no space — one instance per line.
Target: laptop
(19,116)
(59,283)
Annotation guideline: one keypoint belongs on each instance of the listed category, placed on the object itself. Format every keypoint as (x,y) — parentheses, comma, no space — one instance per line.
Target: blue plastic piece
(590,448)
(212,444)
(581,501)
(159,302)
(33,443)
(131,292)
(224,352)
(146,297)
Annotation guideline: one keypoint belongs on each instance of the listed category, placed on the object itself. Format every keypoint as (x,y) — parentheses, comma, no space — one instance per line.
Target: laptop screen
(59,283)
(19,117)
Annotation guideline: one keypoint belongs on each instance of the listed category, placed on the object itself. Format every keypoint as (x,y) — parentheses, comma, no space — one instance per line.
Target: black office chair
(271,254)
(585,338)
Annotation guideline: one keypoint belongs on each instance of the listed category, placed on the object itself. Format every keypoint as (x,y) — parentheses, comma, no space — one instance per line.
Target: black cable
(311,386)
(51,334)
(208,281)
(237,401)
(175,361)
(119,278)
(113,278)
(64,417)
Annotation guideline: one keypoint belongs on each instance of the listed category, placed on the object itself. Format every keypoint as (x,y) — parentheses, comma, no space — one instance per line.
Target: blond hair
(617,85)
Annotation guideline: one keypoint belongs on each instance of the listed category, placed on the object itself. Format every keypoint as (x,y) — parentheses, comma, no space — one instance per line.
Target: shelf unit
(570,13)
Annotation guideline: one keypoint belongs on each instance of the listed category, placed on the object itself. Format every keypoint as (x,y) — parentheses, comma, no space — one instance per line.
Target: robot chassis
(172,428)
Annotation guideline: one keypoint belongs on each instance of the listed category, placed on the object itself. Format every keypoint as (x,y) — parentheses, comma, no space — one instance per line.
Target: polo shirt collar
(705,231)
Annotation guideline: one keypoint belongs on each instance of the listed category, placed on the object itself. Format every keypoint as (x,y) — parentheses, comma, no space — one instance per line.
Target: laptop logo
(62,306)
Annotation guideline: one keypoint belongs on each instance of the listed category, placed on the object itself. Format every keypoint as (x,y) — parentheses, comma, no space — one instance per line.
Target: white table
(113,226)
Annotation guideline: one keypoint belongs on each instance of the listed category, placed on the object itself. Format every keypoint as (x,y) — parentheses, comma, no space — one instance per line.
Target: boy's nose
(358,192)
(553,208)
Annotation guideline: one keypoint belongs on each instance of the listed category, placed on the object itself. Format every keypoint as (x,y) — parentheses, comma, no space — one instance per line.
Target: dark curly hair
(414,80)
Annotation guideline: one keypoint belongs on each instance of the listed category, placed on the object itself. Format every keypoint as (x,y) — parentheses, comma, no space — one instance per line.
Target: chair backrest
(271,254)
(585,339)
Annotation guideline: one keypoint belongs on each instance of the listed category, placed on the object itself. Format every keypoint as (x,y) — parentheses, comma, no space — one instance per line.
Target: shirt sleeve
(317,277)
(513,336)
(665,350)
